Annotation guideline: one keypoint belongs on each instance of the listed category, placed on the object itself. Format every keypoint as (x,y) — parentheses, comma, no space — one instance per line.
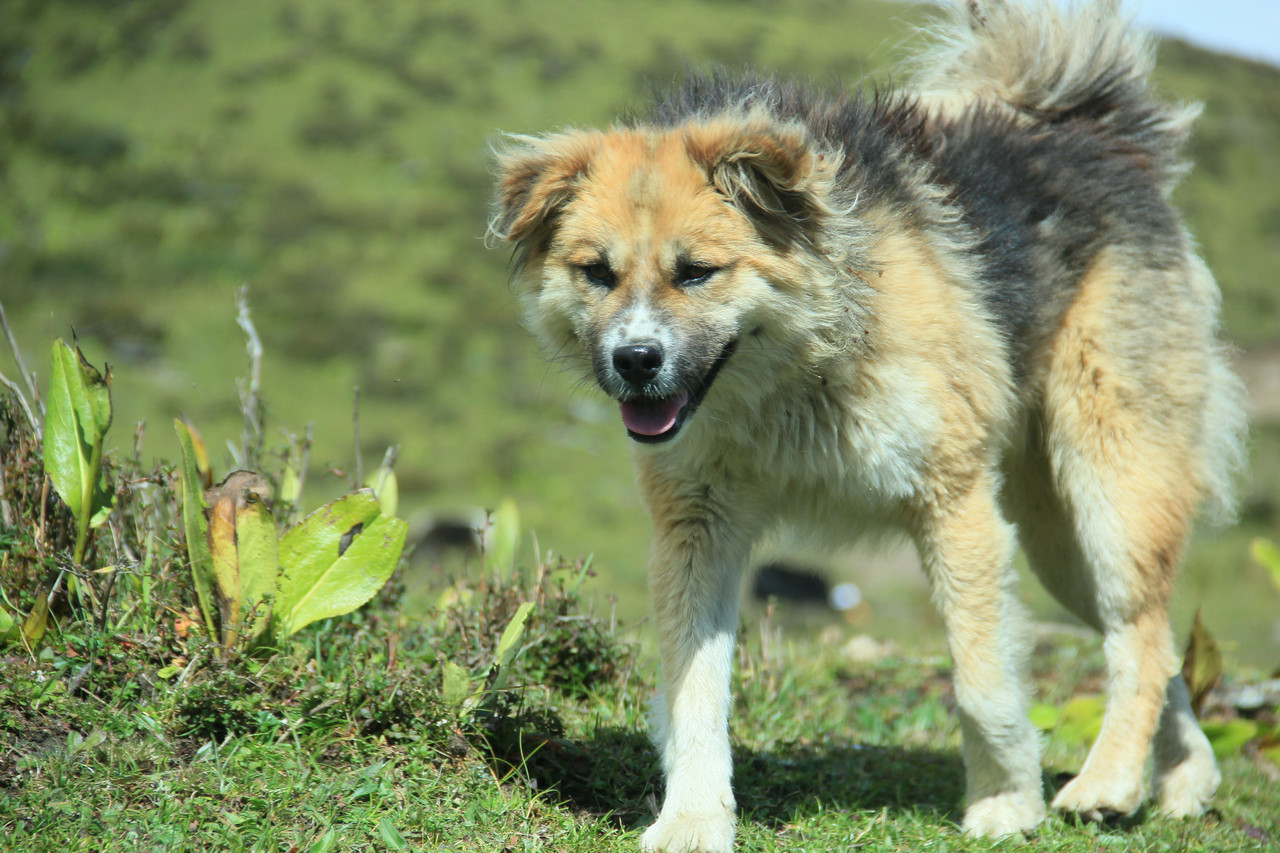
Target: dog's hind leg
(695,571)
(1123,409)
(1186,774)
(967,548)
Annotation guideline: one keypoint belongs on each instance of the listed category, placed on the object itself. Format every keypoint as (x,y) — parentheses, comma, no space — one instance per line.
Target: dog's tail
(1085,62)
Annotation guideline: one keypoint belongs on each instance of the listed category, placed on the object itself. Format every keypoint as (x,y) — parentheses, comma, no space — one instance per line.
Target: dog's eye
(690,274)
(599,274)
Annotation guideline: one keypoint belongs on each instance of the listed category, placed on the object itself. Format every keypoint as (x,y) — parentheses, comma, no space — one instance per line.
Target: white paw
(1005,814)
(686,833)
(1185,790)
(1095,797)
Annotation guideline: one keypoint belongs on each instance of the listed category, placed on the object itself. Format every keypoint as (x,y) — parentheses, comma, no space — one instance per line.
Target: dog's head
(657,253)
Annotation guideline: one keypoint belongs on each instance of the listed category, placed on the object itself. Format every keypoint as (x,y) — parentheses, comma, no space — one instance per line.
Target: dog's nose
(638,364)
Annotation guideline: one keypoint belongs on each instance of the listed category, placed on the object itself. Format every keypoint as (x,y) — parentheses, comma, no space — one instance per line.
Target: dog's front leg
(695,570)
(967,548)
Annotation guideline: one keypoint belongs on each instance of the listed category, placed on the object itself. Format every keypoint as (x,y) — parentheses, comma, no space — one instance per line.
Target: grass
(124,728)
(830,754)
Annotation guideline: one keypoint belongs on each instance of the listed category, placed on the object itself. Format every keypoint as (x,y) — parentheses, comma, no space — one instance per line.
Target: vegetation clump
(128,625)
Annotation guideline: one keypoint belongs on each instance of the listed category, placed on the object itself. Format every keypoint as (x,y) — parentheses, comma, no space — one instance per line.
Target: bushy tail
(1087,62)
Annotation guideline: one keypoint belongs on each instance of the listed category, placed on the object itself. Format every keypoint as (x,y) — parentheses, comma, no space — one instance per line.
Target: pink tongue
(653,417)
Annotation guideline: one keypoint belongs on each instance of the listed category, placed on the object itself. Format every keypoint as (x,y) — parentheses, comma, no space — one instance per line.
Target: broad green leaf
(336,560)
(504,537)
(1202,665)
(259,562)
(455,686)
(78,414)
(8,626)
(242,543)
(1268,556)
(196,529)
(391,836)
(168,672)
(508,645)
(77,417)
(325,843)
(1229,737)
(386,489)
(37,620)
(77,743)
(290,485)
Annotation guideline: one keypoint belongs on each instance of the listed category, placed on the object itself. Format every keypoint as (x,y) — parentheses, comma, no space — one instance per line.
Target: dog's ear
(770,171)
(537,176)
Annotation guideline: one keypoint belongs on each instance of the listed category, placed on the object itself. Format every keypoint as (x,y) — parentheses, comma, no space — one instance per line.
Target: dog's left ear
(769,171)
(536,179)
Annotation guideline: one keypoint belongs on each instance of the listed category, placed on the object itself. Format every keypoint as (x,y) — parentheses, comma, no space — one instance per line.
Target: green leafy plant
(8,626)
(458,689)
(504,538)
(249,582)
(196,528)
(77,418)
(335,560)
(76,424)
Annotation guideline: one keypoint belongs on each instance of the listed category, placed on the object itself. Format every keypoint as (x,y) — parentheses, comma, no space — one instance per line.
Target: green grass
(124,728)
(830,754)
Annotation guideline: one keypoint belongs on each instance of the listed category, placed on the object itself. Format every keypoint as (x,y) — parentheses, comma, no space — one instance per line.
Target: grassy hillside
(157,154)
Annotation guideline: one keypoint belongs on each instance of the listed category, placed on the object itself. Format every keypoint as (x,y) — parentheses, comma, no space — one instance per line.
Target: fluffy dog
(968,311)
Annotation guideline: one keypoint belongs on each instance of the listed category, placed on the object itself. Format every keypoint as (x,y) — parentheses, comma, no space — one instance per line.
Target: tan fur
(786,353)
(1099,414)
(1138,469)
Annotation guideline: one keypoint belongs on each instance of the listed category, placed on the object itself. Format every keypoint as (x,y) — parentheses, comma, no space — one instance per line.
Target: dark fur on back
(1038,191)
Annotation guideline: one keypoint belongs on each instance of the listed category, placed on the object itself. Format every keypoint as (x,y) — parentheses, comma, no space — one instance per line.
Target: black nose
(638,363)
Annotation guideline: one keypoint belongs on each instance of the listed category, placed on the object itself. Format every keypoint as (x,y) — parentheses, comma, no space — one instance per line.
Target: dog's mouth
(652,420)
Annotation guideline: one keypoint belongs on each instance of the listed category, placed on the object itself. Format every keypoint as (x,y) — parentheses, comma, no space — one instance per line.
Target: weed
(125,681)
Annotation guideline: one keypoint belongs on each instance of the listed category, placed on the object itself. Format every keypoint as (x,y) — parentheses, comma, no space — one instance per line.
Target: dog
(966,310)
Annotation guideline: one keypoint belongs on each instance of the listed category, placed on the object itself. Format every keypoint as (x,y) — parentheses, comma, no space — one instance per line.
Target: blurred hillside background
(156,155)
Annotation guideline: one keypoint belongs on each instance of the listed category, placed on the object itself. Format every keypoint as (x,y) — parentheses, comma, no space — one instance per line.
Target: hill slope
(157,154)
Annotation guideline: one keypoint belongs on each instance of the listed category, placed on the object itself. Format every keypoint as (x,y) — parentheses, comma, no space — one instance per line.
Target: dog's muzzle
(650,415)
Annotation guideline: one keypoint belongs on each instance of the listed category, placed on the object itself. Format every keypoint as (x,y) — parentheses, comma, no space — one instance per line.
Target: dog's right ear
(767,169)
(537,177)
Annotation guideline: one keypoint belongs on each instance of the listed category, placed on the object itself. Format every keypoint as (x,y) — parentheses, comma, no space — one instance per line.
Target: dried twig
(388,462)
(250,393)
(36,422)
(42,532)
(17,356)
(6,515)
(22,398)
